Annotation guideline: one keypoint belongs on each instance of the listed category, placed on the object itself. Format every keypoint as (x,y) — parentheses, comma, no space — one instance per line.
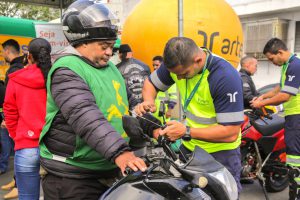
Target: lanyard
(284,68)
(188,100)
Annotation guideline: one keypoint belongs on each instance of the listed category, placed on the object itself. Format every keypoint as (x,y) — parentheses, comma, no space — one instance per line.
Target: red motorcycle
(263,150)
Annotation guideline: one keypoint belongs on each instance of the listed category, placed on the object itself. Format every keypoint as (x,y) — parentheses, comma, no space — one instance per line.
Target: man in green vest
(83,145)
(288,93)
(212,98)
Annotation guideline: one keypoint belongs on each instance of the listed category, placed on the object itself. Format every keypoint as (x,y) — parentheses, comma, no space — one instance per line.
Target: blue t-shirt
(225,87)
(292,81)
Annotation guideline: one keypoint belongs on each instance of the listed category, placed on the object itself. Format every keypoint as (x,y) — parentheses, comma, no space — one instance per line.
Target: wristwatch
(187,135)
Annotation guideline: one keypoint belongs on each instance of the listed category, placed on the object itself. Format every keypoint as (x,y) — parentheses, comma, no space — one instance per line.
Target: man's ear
(198,59)
(280,52)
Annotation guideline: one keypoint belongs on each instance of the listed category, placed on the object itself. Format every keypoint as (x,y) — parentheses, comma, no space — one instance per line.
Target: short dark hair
(124,48)
(159,58)
(11,43)
(274,45)
(179,51)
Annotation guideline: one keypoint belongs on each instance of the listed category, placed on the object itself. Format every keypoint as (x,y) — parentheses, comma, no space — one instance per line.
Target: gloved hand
(147,126)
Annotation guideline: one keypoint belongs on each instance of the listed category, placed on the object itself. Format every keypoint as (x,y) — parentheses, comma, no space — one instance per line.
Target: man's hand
(169,113)
(128,159)
(260,98)
(174,130)
(256,104)
(156,133)
(144,107)
(3,124)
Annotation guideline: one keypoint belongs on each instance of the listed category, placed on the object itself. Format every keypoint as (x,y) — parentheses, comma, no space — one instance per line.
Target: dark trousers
(57,188)
(7,146)
(292,141)
(231,159)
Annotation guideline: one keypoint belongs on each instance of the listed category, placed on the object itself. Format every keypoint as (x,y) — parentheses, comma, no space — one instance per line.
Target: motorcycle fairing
(201,164)
(157,187)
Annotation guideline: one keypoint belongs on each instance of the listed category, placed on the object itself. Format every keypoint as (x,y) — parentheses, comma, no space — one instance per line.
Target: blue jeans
(7,146)
(27,167)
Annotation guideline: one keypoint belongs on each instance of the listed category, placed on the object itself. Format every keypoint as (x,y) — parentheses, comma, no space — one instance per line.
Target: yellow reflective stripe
(201,120)
(212,147)
(293,160)
(293,164)
(297,179)
(293,156)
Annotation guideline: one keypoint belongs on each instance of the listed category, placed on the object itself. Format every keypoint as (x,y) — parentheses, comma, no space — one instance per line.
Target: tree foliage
(28,11)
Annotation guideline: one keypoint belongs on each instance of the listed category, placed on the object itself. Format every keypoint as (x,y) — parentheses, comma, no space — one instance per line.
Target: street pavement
(250,191)
(254,192)
(6,178)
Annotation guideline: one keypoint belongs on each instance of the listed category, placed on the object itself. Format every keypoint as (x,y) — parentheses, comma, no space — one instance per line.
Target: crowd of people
(62,115)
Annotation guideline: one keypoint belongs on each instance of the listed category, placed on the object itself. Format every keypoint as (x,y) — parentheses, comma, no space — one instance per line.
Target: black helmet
(87,20)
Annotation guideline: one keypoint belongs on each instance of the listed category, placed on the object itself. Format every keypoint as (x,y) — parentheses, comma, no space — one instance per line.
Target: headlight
(228,182)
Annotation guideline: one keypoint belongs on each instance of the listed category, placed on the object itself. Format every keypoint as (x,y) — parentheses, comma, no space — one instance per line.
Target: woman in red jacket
(24,111)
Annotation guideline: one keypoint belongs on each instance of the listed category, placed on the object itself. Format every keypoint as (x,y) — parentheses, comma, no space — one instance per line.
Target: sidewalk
(7,177)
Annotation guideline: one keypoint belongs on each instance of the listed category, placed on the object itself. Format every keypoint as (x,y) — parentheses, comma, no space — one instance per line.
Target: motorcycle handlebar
(258,113)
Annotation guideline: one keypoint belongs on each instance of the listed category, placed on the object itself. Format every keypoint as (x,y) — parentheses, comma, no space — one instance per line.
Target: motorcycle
(263,150)
(199,177)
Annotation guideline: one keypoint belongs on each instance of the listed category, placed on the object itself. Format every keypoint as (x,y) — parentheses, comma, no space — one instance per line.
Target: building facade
(262,20)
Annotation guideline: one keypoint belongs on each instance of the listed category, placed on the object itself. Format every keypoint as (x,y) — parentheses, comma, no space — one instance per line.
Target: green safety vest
(201,112)
(109,91)
(291,107)
(167,96)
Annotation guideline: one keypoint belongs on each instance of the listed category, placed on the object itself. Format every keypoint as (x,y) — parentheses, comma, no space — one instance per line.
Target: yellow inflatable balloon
(210,23)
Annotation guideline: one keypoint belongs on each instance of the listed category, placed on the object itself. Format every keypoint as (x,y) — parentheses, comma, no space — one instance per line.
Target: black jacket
(134,72)
(249,89)
(14,65)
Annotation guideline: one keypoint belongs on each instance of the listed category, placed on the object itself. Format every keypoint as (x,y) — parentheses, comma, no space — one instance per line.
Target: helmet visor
(93,15)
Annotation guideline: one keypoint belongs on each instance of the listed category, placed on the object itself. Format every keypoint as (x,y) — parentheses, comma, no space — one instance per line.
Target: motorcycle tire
(276,183)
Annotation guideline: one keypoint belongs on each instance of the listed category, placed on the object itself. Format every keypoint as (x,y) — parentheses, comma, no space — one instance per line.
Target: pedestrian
(11,54)
(169,97)
(287,93)
(248,68)
(211,94)
(25,111)
(133,70)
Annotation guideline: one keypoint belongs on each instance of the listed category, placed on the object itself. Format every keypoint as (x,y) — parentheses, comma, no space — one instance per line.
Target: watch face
(186,137)
(188,130)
